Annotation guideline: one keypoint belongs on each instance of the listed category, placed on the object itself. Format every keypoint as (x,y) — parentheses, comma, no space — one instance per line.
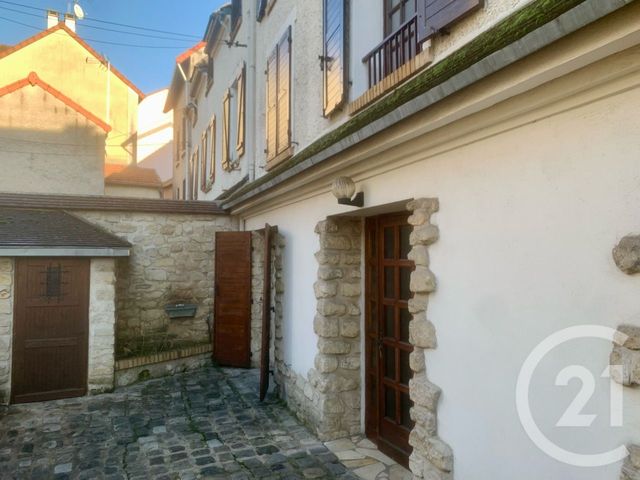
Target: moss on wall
(511,29)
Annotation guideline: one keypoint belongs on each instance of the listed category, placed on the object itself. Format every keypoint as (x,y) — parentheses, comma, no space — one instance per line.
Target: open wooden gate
(266,314)
(232,323)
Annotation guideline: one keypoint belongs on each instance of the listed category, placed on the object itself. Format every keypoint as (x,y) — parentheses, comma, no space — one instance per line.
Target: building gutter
(524,32)
(187,156)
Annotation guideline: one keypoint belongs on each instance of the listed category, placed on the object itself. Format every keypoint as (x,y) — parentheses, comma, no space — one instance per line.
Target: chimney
(52,18)
(70,21)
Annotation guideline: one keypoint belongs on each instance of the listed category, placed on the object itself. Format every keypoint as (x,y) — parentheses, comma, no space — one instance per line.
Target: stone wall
(330,401)
(257,283)
(431,459)
(6,324)
(172,260)
(102,322)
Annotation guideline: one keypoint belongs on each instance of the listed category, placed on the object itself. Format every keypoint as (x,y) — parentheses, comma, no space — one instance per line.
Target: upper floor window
(236,17)
(278,122)
(233,122)
(212,150)
(333,60)
(397,12)
(209,74)
(204,154)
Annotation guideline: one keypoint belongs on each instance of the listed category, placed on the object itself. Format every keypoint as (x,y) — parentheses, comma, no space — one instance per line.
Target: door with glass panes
(387,347)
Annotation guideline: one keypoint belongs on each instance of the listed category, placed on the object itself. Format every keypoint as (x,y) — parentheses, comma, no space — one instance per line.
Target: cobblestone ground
(203,424)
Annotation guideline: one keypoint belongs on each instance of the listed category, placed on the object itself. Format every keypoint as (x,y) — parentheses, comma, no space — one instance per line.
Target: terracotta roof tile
(134,175)
(63,27)
(187,53)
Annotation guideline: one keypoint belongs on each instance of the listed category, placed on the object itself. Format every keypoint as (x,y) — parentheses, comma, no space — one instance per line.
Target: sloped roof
(49,228)
(4,47)
(33,80)
(61,26)
(135,176)
(190,51)
(47,201)
(177,80)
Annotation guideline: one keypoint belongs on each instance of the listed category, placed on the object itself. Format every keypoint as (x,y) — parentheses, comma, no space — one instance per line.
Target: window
(204,148)
(396,12)
(264,7)
(194,175)
(233,122)
(240,112)
(209,74)
(333,56)
(236,18)
(279,101)
(212,150)
(226,121)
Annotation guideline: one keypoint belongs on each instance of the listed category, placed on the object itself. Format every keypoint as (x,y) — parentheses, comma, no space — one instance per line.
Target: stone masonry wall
(102,322)
(6,323)
(332,396)
(431,459)
(172,260)
(257,283)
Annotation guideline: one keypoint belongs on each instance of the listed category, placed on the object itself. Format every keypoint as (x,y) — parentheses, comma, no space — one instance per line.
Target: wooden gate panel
(51,323)
(232,322)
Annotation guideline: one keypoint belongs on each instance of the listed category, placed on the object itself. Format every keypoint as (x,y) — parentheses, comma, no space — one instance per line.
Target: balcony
(398,57)
(393,52)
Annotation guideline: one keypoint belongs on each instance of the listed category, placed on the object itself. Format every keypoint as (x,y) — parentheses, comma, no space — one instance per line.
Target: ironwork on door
(387,349)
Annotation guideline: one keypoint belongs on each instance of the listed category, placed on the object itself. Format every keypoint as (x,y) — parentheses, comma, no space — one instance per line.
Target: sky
(149,68)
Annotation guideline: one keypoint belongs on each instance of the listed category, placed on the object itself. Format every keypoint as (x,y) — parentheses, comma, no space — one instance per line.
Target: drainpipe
(188,194)
(251,97)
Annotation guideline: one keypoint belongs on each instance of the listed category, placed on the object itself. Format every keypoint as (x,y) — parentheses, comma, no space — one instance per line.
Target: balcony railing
(393,52)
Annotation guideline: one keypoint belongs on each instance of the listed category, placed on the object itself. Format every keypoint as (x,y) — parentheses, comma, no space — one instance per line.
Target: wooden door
(51,323)
(387,348)
(232,320)
(266,314)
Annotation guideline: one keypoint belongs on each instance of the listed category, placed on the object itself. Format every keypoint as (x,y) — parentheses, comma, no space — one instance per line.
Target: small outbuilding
(57,305)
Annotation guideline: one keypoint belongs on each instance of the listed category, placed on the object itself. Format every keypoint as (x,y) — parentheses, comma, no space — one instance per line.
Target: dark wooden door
(266,315)
(388,272)
(232,321)
(51,323)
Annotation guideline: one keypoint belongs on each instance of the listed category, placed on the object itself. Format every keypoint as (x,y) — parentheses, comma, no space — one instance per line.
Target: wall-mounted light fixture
(344,188)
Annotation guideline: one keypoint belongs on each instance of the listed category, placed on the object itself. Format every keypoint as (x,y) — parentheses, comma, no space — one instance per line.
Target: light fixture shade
(343,187)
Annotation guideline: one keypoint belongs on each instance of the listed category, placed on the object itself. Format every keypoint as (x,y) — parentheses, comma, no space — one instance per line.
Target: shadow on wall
(68,160)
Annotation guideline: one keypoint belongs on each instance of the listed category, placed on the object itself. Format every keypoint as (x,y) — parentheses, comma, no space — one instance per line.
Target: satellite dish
(78,11)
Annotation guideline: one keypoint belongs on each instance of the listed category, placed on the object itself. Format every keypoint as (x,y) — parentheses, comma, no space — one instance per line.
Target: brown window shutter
(241,113)
(212,151)
(284,93)
(333,57)
(440,14)
(204,144)
(272,104)
(226,121)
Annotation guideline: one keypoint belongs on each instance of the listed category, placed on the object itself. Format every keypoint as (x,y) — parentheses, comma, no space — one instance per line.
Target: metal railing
(393,52)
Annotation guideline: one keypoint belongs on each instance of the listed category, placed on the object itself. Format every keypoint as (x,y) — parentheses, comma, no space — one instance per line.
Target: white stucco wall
(529,212)
(114,190)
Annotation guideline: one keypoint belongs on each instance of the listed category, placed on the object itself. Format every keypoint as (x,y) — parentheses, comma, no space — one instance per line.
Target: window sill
(288,153)
(402,74)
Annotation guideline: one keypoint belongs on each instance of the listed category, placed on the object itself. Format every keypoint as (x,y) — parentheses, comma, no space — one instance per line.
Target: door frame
(19,269)
(373,321)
